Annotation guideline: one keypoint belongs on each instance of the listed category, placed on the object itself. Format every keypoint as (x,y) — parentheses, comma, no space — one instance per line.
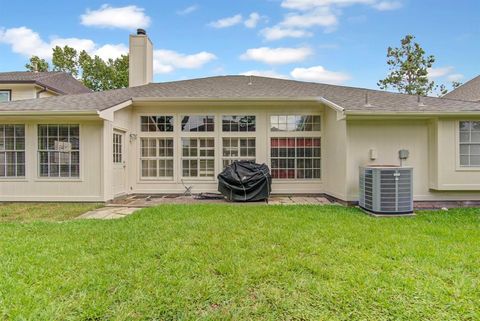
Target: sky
(329,41)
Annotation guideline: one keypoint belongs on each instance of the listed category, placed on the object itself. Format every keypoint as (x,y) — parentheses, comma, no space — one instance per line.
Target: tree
(37,64)
(65,59)
(408,67)
(94,72)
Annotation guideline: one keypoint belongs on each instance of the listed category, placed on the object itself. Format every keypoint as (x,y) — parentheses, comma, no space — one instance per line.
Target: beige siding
(20,91)
(387,137)
(130,120)
(335,155)
(33,188)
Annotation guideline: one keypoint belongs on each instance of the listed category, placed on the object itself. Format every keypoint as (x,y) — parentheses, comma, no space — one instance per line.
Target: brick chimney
(140,60)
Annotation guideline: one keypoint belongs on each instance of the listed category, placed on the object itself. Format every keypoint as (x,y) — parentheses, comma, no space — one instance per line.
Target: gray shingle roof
(60,82)
(468,91)
(246,87)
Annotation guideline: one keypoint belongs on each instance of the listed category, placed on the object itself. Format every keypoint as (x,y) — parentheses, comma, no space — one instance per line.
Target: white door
(119,164)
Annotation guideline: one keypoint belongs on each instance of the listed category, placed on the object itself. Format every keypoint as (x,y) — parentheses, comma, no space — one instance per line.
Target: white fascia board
(108,113)
(339,109)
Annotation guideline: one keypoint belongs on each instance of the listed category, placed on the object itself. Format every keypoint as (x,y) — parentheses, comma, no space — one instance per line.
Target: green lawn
(29,212)
(216,262)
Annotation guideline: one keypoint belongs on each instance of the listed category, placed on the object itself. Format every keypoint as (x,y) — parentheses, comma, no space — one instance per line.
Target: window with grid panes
(117,148)
(198,157)
(198,123)
(469,143)
(12,151)
(295,123)
(238,148)
(235,123)
(156,157)
(59,150)
(156,123)
(295,157)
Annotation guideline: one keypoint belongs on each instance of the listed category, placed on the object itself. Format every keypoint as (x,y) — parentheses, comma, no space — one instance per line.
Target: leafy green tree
(65,59)
(94,72)
(408,66)
(37,64)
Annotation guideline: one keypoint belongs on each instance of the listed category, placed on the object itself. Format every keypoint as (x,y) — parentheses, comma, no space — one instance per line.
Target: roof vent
(367,103)
(141,32)
(419,101)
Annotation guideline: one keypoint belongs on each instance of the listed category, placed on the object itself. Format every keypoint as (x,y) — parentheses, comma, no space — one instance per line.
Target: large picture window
(59,150)
(233,123)
(12,151)
(198,124)
(470,143)
(295,123)
(156,123)
(198,157)
(238,148)
(157,157)
(295,157)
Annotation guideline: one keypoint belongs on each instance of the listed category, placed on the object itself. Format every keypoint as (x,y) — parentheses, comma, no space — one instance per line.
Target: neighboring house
(154,138)
(22,85)
(468,91)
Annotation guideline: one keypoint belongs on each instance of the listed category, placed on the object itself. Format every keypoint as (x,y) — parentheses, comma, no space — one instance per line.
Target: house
(154,138)
(29,85)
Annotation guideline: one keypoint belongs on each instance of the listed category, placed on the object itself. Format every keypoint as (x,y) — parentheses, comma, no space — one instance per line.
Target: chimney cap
(141,32)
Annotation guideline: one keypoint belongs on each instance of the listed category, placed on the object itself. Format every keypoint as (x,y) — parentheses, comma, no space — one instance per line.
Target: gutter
(49,113)
(221,99)
(418,113)
(41,91)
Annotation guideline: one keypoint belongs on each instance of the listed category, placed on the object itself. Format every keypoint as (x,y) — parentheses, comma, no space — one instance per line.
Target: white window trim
(199,158)
(157,132)
(39,178)
(462,168)
(295,134)
(118,148)
(140,158)
(229,133)
(16,177)
(9,92)
(232,158)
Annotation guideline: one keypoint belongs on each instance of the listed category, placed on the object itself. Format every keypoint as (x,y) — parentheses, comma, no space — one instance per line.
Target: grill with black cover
(245,181)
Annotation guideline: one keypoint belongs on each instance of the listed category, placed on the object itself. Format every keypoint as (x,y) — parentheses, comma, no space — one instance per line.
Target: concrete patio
(125,206)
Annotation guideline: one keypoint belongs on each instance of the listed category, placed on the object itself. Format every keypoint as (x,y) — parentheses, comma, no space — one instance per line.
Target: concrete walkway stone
(109,213)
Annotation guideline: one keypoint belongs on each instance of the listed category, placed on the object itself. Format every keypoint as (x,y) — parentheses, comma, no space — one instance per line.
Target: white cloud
(252,20)
(264,73)
(187,10)
(455,77)
(319,17)
(279,32)
(129,17)
(445,72)
(27,42)
(307,14)
(111,51)
(388,5)
(165,61)
(277,55)
(320,74)
(227,22)
(440,72)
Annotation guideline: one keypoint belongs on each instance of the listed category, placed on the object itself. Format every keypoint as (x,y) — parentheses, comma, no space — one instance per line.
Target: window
(5,95)
(198,124)
(59,150)
(295,123)
(156,123)
(117,148)
(295,157)
(238,149)
(470,143)
(198,157)
(12,151)
(157,157)
(238,123)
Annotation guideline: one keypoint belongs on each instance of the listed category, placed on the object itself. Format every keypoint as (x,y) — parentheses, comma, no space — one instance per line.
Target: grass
(29,212)
(216,262)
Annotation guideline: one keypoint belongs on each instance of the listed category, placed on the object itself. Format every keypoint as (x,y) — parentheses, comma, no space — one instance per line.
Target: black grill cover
(245,181)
